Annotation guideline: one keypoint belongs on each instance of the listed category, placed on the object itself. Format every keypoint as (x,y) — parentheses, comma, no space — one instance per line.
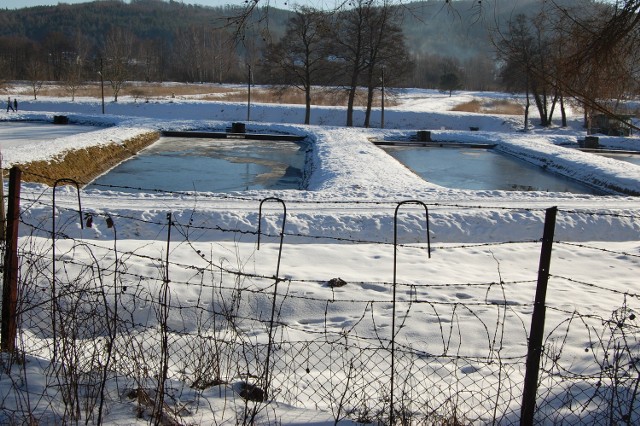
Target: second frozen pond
(481,169)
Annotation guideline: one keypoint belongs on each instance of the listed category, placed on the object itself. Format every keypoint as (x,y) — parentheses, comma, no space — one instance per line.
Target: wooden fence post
(3,216)
(537,322)
(10,278)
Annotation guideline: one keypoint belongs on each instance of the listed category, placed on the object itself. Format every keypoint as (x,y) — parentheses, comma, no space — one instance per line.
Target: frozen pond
(16,133)
(481,169)
(210,165)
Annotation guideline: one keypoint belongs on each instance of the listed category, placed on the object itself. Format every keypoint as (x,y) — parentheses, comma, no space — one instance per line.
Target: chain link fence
(114,327)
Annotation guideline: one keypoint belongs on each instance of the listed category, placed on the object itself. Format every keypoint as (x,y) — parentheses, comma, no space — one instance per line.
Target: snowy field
(462,315)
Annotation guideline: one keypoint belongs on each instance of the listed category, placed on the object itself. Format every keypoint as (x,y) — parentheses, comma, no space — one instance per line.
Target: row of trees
(195,54)
(352,48)
(588,55)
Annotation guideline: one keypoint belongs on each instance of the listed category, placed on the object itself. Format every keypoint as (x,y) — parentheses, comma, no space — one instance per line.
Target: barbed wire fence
(158,328)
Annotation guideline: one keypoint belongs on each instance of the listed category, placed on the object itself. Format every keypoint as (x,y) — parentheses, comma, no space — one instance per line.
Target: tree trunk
(585,118)
(367,114)
(307,109)
(526,112)
(553,108)
(350,102)
(542,109)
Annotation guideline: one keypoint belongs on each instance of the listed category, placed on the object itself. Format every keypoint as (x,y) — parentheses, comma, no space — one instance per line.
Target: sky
(283,4)
(18,4)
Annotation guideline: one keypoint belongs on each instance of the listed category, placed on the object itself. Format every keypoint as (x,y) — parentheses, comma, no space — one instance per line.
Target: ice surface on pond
(210,165)
(473,168)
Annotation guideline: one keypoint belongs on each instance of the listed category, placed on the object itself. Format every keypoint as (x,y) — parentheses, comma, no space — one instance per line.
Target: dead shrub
(471,106)
(491,106)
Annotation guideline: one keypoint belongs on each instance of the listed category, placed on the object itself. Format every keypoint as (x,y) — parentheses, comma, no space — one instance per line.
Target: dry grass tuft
(471,106)
(500,106)
(289,95)
(83,165)
(322,96)
(148,90)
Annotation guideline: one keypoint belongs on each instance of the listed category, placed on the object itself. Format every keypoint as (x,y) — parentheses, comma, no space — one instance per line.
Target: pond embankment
(84,164)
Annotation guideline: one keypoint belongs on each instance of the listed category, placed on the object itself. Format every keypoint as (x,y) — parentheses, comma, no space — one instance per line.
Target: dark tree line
(195,54)
(155,40)
(146,40)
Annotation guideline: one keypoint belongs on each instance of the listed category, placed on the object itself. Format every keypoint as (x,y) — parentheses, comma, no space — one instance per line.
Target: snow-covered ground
(468,306)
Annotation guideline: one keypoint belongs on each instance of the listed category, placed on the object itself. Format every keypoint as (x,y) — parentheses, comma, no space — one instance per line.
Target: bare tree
(616,25)
(545,90)
(4,71)
(527,57)
(74,64)
(35,72)
(152,57)
(385,47)
(601,66)
(479,73)
(190,53)
(588,53)
(220,59)
(300,56)
(118,55)
(365,38)
(57,47)
(349,49)
(516,52)
(449,82)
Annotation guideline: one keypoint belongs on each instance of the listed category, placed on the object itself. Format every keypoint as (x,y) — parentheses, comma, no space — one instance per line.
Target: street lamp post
(249,94)
(101,84)
(102,89)
(382,101)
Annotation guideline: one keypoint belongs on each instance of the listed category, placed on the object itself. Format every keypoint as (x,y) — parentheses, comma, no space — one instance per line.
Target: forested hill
(431,27)
(145,18)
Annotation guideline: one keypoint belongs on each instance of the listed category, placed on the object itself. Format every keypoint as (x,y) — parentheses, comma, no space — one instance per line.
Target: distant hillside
(430,26)
(145,18)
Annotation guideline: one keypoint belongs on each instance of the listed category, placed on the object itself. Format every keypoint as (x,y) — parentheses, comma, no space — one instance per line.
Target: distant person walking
(15,104)
(10,105)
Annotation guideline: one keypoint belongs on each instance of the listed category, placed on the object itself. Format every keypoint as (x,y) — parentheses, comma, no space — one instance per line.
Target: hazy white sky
(283,4)
(18,4)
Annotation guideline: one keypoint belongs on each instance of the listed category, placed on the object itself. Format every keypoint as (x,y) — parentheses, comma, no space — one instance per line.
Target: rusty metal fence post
(537,322)
(267,375)
(54,292)
(3,213)
(10,278)
(393,308)
(163,319)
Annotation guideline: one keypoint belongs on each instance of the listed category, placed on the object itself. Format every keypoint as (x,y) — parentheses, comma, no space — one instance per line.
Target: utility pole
(249,94)
(382,101)
(101,84)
